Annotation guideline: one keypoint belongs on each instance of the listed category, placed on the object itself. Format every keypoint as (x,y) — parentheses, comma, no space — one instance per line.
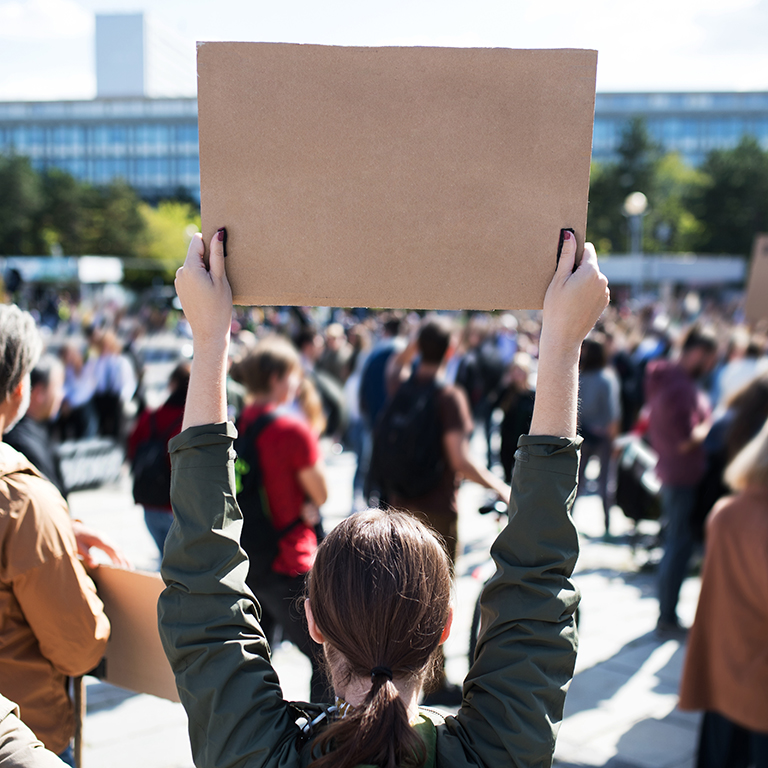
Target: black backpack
(259,538)
(151,467)
(408,458)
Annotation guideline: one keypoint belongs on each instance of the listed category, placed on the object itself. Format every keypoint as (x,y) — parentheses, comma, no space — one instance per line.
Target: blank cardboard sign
(757,288)
(134,658)
(393,177)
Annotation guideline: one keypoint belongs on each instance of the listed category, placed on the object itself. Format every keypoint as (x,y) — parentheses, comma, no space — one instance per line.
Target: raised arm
(206,298)
(515,690)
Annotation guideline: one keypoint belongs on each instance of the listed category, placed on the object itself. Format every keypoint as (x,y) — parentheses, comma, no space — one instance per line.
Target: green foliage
(169,229)
(21,202)
(717,208)
(51,212)
(636,170)
(733,205)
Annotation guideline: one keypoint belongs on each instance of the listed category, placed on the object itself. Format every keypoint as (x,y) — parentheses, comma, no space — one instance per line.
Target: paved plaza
(621,709)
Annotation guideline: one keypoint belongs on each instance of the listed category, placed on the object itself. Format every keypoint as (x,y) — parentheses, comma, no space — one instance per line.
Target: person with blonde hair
(379,595)
(726,666)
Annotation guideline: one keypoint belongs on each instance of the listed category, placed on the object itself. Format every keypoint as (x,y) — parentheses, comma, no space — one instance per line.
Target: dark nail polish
(565,234)
(222,234)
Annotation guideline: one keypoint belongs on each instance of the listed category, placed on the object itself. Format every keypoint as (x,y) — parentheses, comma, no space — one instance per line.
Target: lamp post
(635,207)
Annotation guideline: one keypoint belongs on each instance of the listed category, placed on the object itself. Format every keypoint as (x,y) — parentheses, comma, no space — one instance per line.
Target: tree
(113,225)
(21,202)
(635,171)
(61,221)
(733,205)
(169,229)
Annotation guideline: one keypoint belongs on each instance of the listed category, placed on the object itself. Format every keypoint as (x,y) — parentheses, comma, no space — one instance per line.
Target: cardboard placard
(393,177)
(757,288)
(134,658)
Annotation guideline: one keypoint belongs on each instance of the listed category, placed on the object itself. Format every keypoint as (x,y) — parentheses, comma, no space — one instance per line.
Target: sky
(47,46)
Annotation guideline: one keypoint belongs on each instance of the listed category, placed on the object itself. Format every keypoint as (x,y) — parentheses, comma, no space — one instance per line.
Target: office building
(692,124)
(142,129)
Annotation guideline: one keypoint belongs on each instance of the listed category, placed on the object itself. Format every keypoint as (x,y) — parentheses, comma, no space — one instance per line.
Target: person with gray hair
(52,623)
(20,348)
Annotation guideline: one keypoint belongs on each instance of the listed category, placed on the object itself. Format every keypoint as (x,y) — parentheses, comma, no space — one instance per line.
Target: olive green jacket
(209,621)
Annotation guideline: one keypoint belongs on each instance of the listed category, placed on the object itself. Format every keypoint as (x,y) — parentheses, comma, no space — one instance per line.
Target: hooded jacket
(52,624)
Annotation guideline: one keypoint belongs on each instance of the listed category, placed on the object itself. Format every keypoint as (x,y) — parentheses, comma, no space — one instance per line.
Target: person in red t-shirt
(166,421)
(294,481)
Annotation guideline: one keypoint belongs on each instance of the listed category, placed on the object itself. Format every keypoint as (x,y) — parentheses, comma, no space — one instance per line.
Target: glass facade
(692,124)
(153,144)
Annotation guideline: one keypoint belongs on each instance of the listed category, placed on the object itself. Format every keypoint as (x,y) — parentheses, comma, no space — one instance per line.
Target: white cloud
(43,20)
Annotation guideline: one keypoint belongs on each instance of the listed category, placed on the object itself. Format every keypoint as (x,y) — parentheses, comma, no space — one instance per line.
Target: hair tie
(381,672)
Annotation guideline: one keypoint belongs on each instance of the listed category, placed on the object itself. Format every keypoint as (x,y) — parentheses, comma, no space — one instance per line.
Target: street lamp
(634,209)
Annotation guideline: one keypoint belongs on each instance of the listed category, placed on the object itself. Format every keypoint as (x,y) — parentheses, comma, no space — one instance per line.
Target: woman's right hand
(204,292)
(207,302)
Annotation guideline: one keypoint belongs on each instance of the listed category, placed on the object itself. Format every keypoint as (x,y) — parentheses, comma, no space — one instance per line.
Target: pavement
(621,710)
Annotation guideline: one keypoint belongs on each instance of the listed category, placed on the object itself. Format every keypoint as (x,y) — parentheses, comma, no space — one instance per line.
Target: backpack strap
(251,435)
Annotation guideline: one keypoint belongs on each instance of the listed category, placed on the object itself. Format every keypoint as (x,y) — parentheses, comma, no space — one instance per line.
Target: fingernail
(567,235)
(222,234)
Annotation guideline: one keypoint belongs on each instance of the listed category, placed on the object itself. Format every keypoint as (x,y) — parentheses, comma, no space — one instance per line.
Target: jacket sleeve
(209,620)
(515,690)
(55,593)
(19,747)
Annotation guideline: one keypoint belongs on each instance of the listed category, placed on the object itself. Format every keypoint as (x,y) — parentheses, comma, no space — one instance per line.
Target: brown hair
(434,338)
(272,356)
(380,594)
(593,353)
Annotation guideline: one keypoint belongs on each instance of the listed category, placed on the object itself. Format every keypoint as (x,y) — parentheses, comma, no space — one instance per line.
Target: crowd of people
(404,393)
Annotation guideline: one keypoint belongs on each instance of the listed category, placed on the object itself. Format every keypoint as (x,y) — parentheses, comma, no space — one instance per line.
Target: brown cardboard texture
(134,658)
(757,288)
(393,177)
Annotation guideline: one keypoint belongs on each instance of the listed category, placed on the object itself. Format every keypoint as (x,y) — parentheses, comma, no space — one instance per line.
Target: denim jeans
(159,523)
(677,502)
(68,756)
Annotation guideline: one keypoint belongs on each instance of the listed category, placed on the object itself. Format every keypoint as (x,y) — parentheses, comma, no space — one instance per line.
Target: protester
(677,427)
(599,417)
(52,624)
(336,355)
(78,417)
(516,403)
(31,436)
(294,484)
(373,391)
(311,345)
(115,385)
(379,596)
(148,453)
(726,665)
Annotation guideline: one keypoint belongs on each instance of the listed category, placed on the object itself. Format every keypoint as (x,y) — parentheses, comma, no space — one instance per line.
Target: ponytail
(377,732)
(380,594)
